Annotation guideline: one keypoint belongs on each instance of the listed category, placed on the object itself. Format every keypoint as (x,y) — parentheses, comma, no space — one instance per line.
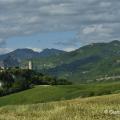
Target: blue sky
(61,24)
(41,41)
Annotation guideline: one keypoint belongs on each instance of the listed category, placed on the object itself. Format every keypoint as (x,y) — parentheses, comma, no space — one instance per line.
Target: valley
(86,64)
(59,60)
(44,94)
(83,84)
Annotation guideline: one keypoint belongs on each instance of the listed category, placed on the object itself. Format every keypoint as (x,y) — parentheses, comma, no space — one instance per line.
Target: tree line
(15,80)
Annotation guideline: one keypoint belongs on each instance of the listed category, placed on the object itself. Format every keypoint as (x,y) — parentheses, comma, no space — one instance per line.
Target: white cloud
(5,50)
(96,33)
(35,49)
(100,29)
(69,49)
(105,4)
(98,19)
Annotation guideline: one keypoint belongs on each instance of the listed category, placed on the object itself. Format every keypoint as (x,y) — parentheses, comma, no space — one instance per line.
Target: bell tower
(30,65)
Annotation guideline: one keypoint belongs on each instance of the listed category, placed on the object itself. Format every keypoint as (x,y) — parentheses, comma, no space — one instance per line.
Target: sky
(60,24)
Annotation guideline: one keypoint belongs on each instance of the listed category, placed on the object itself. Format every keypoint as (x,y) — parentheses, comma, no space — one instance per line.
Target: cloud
(2,43)
(35,49)
(5,50)
(69,43)
(94,20)
(98,33)
(69,49)
(98,29)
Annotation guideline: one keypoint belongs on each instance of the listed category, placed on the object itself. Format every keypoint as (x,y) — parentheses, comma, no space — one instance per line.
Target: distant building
(30,65)
(0,84)
(26,65)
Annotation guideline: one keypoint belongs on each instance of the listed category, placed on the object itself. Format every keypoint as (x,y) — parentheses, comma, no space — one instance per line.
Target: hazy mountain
(50,52)
(20,54)
(10,61)
(15,57)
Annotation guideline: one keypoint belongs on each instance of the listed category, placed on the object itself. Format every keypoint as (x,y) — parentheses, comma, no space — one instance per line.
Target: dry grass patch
(79,109)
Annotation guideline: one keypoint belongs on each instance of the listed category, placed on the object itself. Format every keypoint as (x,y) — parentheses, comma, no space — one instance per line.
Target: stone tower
(30,65)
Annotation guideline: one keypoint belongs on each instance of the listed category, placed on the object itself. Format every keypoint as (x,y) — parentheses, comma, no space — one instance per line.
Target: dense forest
(15,80)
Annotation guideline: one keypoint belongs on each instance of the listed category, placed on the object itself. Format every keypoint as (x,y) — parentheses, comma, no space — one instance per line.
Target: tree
(7,79)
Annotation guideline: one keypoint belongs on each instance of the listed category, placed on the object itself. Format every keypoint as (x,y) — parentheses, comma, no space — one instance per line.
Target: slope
(95,108)
(41,94)
(87,63)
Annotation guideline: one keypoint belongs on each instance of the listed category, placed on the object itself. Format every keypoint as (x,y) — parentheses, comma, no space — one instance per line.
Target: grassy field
(95,108)
(43,94)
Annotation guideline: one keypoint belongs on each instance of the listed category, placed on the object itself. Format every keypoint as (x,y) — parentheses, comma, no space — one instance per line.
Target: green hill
(95,62)
(41,94)
(94,108)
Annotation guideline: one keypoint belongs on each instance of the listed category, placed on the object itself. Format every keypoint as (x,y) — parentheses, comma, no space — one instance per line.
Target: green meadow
(43,94)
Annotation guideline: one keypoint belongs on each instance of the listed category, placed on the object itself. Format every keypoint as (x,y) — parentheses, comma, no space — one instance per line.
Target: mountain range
(13,58)
(94,62)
